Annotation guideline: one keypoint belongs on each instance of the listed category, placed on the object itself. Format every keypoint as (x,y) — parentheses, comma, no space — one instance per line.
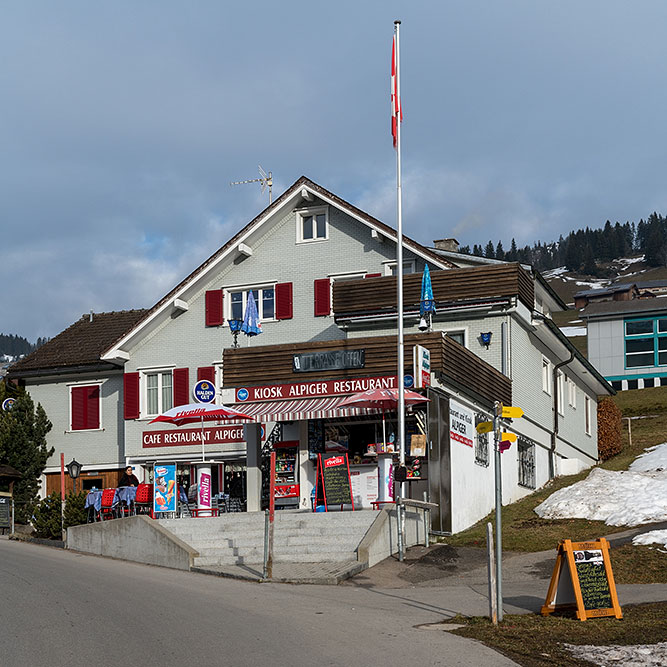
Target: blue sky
(122,124)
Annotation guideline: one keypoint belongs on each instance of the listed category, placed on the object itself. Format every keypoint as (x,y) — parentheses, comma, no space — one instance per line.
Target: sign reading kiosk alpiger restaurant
(280,392)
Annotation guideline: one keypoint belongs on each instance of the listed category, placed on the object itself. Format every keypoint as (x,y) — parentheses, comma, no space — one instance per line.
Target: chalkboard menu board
(334,479)
(583,580)
(5,512)
(592,580)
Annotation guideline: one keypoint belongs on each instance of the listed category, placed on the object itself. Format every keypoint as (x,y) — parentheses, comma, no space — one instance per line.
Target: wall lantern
(74,470)
(235,328)
(486,338)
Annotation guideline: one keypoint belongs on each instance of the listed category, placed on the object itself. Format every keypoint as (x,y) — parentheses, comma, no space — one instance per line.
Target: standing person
(128,478)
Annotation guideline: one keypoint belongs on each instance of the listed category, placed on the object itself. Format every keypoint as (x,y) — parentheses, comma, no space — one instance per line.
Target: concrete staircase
(299,537)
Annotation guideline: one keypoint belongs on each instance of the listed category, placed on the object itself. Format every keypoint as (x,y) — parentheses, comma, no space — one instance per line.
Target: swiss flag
(396,111)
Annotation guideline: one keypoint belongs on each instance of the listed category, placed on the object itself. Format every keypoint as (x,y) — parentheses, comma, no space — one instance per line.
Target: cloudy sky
(122,124)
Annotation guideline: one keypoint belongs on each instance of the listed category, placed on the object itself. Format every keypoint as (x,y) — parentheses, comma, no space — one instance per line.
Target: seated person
(128,478)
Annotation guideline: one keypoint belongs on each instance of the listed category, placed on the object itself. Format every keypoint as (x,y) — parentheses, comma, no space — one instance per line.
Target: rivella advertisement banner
(164,487)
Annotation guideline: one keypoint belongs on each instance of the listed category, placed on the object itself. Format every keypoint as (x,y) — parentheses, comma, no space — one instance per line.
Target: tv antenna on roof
(265,179)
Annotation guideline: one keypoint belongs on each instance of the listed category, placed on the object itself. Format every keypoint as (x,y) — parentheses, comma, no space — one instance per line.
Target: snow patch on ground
(652,537)
(552,273)
(642,654)
(626,498)
(593,284)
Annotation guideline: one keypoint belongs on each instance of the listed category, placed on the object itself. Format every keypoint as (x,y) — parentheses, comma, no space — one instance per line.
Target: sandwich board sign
(583,580)
(333,480)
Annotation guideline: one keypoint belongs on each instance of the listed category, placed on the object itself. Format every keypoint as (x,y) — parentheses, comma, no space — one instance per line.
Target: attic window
(312,225)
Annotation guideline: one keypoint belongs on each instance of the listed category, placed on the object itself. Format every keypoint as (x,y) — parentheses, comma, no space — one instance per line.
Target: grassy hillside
(523,530)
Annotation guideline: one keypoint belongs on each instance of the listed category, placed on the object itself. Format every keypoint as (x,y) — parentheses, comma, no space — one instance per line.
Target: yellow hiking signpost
(500,412)
(484,427)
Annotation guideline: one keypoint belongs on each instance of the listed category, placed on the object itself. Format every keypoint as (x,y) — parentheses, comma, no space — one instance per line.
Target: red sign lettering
(218,435)
(312,389)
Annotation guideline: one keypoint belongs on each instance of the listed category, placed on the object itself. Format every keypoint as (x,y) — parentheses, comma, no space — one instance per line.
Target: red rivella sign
(218,435)
(279,392)
(334,461)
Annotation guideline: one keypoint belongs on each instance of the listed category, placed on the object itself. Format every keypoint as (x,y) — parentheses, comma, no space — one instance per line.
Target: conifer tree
(23,446)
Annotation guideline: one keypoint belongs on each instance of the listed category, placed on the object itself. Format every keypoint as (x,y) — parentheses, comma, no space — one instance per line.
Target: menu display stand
(333,481)
(583,581)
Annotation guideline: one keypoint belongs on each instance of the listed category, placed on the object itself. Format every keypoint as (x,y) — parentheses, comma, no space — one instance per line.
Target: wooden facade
(451,286)
(102,479)
(273,364)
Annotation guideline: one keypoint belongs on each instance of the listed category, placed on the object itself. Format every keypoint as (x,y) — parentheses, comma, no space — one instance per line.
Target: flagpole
(399,267)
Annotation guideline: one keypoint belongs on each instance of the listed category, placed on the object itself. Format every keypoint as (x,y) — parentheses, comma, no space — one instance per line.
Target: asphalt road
(59,608)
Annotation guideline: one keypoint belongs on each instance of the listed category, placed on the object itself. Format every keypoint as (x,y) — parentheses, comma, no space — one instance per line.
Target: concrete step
(255,557)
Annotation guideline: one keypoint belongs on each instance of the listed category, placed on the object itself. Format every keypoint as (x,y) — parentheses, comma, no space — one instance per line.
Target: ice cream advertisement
(164,488)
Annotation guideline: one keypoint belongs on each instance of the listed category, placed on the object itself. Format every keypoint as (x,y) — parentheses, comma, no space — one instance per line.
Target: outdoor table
(126,495)
(93,499)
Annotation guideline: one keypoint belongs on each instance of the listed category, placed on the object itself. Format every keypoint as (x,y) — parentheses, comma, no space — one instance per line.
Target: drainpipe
(554,434)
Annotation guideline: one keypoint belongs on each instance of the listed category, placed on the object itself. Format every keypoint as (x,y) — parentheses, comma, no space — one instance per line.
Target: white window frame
(348,275)
(391,264)
(73,385)
(546,376)
(143,390)
(459,330)
(588,416)
(228,291)
(572,393)
(560,388)
(314,212)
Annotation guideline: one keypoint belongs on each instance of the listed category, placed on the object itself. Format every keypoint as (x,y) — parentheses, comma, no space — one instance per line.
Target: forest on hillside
(585,250)
(15,346)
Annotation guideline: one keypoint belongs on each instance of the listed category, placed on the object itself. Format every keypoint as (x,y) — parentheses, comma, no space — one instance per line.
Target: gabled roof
(303,186)
(80,345)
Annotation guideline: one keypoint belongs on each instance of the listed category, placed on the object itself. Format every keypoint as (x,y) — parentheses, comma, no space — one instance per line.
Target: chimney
(451,245)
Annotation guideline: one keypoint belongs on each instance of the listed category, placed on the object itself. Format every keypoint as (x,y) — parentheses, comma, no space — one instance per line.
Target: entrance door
(439,462)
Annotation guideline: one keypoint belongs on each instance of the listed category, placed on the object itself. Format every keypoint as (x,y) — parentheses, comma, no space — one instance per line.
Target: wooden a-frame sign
(582,580)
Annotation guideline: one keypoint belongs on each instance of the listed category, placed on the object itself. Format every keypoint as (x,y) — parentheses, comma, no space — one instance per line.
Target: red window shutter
(283,294)
(373,275)
(206,373)
(322,297)
(181,386)
(131,395)
(78,398)
(214,316)
(92,407)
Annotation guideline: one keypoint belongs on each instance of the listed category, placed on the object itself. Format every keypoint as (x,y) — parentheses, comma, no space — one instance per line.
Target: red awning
(302,408)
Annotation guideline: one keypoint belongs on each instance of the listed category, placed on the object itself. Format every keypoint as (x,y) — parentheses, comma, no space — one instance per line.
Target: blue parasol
(251,323)
(427,302)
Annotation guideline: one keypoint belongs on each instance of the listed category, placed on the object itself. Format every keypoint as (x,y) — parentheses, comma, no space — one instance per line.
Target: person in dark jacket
(128,478)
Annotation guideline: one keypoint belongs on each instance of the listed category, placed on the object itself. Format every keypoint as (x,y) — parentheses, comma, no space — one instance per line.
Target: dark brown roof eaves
(272,207)
(79,345)
(610,308)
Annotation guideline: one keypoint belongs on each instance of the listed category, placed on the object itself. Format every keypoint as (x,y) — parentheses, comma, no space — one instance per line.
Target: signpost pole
(498,411)
(491,568)
(62,494)
(272,512)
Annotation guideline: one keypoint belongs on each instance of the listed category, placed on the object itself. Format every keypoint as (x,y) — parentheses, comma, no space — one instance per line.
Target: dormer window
(312,225)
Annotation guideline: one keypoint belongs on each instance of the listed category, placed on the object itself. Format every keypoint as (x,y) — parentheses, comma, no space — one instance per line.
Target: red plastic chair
(107,507)
(143,503)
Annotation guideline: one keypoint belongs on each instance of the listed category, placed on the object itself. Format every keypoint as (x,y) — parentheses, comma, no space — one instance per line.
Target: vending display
(287,481)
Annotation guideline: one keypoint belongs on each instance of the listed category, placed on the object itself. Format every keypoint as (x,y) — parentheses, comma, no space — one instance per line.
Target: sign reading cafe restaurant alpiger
(328,361)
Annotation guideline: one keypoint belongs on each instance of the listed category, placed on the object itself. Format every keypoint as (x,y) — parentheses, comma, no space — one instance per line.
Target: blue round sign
(8,404)
(408,381)
(204,391)
(242,394)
